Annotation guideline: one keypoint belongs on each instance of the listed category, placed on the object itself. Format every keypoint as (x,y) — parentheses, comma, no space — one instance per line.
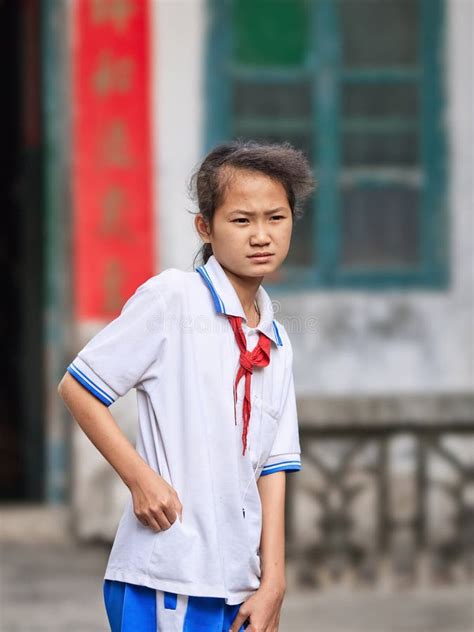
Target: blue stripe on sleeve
(93,388)
(86,377)
(290,466)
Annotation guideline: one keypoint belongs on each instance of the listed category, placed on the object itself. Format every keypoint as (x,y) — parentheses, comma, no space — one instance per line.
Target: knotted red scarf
(259,356)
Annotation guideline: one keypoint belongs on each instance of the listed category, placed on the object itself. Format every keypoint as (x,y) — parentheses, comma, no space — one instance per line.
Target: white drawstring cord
(259,451)
(258,443)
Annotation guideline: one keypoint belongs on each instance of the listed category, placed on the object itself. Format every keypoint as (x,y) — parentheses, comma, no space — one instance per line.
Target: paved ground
(58,588)
(48,583)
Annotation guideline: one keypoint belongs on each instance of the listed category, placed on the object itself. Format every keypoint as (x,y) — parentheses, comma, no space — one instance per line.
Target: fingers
(239,620)
(160,516)
(173,509)
(154,519)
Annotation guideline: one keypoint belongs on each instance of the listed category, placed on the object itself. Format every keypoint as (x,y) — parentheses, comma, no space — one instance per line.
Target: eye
(240,219)
(278,216)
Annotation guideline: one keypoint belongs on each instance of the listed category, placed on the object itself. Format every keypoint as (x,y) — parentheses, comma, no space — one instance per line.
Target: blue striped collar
(226,300)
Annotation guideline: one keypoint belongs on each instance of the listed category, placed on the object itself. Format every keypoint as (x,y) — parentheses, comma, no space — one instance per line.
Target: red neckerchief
(259,356)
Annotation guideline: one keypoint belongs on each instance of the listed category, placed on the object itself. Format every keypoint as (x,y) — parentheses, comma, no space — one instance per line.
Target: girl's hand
(262,609)
(155,502)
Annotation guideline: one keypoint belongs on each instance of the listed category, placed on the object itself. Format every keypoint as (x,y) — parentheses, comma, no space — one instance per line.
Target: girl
(200,545)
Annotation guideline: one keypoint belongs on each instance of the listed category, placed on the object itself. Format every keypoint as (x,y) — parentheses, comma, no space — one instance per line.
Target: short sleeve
(118,357)
(286,451)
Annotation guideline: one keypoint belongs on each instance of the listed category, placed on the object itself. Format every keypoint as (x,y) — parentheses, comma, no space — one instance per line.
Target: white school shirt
(174,343)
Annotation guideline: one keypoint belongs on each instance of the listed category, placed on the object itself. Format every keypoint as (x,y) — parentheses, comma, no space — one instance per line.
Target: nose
(260,236)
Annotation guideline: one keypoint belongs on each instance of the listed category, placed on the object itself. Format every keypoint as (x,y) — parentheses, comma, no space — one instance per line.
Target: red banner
(111,154)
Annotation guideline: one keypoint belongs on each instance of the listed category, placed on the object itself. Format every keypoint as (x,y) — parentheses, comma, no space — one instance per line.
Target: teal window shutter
(357,85)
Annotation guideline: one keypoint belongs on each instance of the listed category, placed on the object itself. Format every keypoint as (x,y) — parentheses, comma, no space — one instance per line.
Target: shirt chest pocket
(262,430)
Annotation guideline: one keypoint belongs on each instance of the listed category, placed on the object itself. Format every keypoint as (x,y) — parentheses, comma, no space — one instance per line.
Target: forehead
(252,189)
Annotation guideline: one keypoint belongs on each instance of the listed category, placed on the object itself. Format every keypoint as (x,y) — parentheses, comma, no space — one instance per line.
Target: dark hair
(280,161)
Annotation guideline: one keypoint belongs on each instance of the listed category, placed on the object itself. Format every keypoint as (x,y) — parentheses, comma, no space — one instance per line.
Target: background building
(111,104)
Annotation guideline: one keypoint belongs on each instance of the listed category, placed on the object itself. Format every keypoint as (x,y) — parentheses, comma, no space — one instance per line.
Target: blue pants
(133,608)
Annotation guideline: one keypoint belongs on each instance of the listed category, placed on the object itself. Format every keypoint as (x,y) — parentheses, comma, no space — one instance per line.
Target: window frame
(327,272)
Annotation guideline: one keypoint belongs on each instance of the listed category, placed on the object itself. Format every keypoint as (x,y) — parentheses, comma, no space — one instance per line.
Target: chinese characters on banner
(111,165)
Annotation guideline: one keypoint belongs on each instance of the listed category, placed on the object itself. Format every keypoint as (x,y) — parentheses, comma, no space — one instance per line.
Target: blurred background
(108,105)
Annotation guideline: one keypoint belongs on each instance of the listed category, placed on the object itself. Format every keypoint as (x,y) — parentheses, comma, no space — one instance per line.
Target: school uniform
(173,341)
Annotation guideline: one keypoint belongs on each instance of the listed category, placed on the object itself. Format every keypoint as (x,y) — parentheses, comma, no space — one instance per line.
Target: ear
(202,227)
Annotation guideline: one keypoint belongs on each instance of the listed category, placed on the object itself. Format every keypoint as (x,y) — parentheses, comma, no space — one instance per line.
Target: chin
(259,269)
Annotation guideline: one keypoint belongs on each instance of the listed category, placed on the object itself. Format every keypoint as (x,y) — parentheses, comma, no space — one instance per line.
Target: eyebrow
(273,210)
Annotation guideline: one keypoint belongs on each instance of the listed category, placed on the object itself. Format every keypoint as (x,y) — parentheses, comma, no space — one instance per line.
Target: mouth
(261,256)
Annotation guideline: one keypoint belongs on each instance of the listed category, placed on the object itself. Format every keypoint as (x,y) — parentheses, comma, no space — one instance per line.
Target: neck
(246,289)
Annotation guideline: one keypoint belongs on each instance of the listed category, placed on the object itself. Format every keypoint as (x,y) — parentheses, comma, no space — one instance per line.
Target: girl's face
(254,218)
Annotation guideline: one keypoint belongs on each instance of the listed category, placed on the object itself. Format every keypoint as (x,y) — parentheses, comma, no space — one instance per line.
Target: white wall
(178,53)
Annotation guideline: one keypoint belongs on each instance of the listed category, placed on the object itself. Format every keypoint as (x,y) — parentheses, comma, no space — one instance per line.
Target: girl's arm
(155,501)
(262,609)
(272,544)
